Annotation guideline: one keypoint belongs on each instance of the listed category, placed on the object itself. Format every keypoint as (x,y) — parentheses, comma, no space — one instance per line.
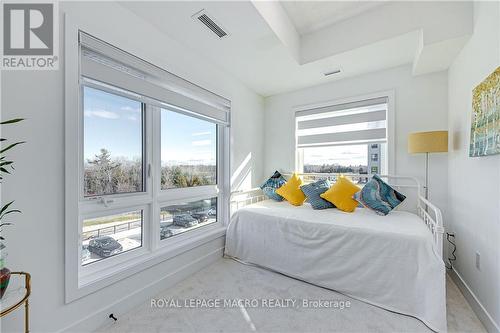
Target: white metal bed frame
(427,211)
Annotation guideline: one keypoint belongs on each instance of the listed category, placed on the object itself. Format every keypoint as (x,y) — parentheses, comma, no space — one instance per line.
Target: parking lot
(128,239)
(128,234)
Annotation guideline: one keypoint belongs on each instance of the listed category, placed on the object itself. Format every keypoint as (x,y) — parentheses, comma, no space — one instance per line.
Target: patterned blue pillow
(312,192)
(378,196)
(272,184)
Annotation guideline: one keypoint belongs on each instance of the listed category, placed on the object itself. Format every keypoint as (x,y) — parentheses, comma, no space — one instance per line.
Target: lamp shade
(428,142)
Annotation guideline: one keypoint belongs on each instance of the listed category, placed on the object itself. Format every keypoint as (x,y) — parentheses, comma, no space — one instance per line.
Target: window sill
(93,282)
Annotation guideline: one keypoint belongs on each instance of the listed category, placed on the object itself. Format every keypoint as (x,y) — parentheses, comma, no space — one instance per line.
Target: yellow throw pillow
(291,191)
(340,194)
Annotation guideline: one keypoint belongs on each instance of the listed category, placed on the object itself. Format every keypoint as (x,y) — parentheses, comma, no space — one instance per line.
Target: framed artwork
(485,125)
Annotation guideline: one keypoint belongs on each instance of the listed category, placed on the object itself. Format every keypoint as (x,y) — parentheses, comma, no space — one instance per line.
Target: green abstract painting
(485,126)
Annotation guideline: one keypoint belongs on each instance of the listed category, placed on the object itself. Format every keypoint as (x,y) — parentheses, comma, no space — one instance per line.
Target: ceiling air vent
(209,22)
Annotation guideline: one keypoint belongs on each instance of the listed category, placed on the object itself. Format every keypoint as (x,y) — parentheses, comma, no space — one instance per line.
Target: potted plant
(6,166)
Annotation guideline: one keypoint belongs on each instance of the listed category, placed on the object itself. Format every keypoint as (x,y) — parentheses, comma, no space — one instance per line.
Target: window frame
(82,280)
(390,128)
(176,195)
(90,272)
(92,206)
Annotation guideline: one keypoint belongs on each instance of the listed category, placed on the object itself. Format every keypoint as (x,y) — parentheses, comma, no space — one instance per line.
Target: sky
(114,122)
(187,139)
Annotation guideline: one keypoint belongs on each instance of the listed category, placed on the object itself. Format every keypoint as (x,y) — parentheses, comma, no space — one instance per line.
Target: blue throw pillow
(312,192)
(378,196)
(272,184)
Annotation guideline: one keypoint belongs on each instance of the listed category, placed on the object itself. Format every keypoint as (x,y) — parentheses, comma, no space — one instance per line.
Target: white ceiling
(256,54)
(310,16)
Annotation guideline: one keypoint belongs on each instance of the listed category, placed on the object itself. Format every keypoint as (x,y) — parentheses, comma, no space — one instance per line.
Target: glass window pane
(354,159)
(107,236)
(177,219)
(188,151)
(336,159)
(113,144)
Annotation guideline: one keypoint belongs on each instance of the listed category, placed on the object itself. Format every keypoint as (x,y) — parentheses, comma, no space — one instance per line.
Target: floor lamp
(428,142)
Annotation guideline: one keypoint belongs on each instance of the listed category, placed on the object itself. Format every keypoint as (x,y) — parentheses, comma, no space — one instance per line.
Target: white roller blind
(358,122)
(102,62)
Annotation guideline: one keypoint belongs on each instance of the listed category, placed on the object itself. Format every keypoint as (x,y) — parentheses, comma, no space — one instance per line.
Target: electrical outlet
(478,260)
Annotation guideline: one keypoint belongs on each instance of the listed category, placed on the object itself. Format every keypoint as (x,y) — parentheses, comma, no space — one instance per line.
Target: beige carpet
(227,280)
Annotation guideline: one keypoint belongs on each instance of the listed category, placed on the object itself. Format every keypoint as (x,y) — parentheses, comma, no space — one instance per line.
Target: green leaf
(11,146)
(4,208)
(2,169)
(5,223)
(11,121)
(9,212)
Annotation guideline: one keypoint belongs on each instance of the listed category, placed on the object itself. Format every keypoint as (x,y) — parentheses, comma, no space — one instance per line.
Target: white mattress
(389,261)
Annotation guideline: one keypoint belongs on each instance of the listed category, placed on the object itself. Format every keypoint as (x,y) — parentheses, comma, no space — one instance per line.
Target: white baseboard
(99,319)
(479,309)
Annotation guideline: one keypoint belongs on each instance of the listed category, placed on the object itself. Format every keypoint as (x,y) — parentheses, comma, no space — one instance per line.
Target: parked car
(85,253)
(200,216)
(171,230)
(105,246)
(212,212)
(185,220)
(165,232)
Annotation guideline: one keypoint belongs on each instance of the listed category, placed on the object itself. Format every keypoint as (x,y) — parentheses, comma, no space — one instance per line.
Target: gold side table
(13,299)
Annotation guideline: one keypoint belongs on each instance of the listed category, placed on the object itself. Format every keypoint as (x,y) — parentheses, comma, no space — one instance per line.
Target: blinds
(358,122)
(103,63)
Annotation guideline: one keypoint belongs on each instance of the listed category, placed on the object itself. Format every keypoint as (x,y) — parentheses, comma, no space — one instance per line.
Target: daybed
(392,261)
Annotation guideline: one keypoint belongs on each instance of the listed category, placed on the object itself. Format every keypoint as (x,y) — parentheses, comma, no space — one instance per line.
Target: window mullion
(223,163)
(155,116)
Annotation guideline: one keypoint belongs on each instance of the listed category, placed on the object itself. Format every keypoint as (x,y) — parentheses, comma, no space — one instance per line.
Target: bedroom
(154,126)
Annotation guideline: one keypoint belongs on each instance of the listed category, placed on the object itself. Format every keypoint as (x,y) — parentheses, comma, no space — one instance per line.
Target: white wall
(474,183)
(420,105)
(36,242)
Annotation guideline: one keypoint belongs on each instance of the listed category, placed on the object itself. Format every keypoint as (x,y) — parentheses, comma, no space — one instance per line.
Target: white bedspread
(388,261)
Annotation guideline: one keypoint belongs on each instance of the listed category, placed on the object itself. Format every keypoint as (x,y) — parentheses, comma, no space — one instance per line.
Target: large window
(146,164)
(349,138)
(116,166)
